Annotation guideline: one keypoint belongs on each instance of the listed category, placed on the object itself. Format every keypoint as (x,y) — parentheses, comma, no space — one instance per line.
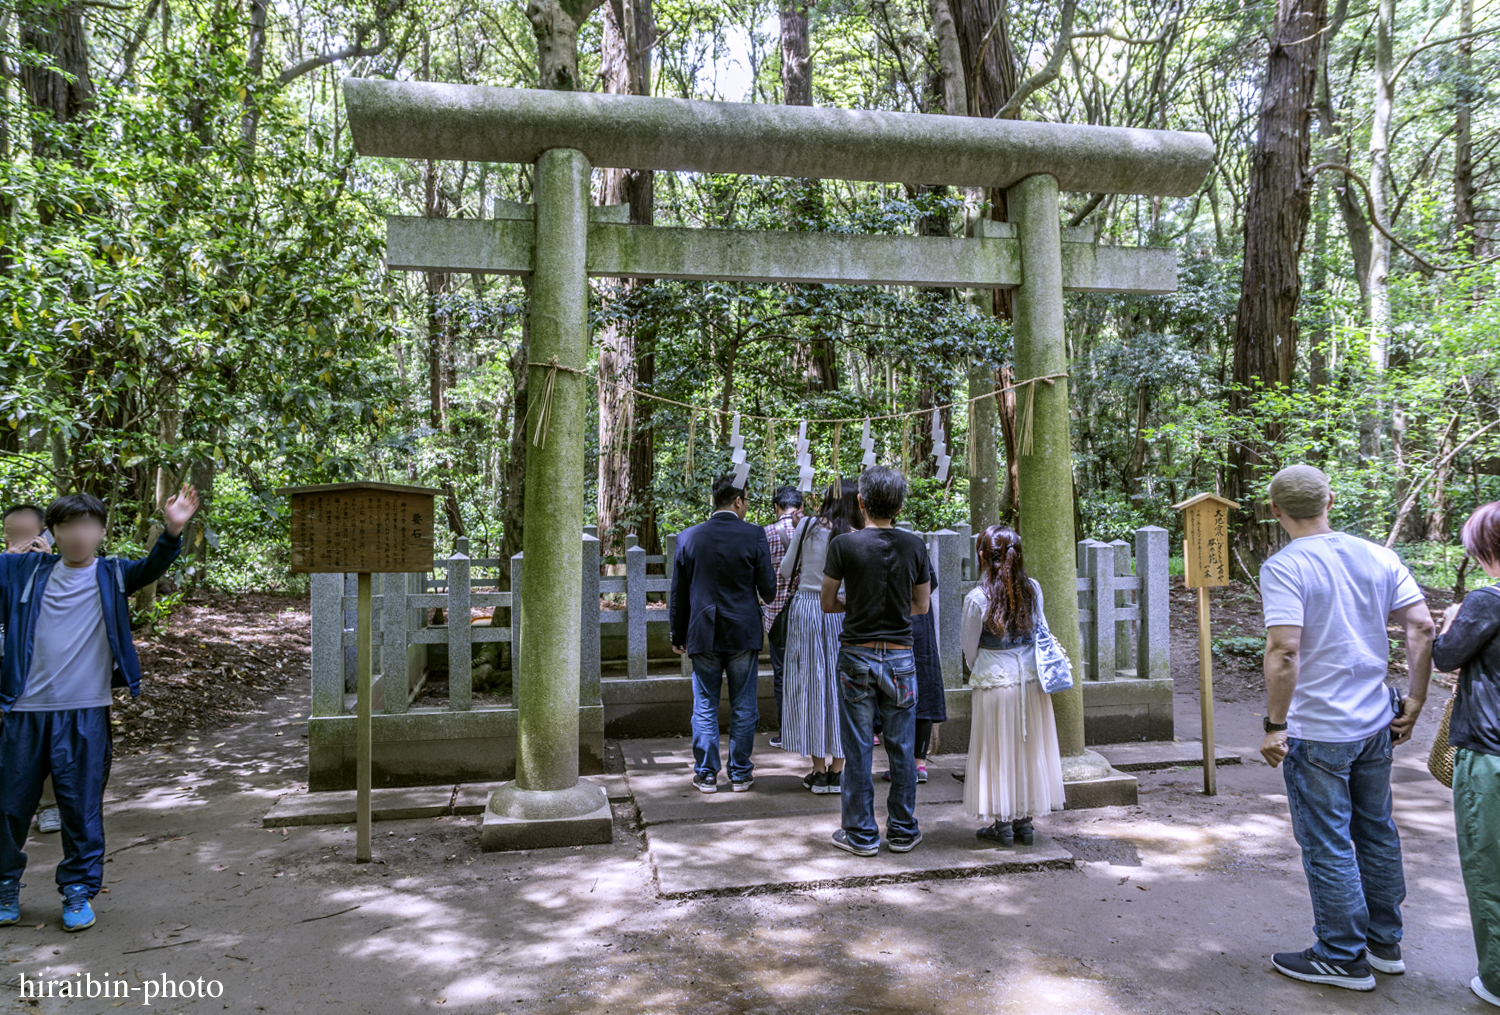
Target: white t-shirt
(70,658)
(1339,589)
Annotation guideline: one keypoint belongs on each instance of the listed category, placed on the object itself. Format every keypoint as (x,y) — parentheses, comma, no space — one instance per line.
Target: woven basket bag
(1440,760)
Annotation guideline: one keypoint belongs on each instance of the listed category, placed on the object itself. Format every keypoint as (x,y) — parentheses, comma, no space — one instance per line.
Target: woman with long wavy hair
(809,692)
(1015,768)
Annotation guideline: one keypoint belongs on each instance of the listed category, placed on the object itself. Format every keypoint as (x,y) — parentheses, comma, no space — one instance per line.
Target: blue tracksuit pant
(75,747)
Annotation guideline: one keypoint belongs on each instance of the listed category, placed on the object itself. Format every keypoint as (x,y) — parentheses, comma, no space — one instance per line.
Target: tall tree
(1277,208)
(818,358)
(1466,93)
(555,24)
(626,348)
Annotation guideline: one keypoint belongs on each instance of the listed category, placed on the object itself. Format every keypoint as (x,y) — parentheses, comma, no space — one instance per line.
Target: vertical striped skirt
(809,683)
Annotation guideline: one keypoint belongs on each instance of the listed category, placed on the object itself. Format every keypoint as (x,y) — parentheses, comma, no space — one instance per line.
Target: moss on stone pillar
(1046,474)
(551,629)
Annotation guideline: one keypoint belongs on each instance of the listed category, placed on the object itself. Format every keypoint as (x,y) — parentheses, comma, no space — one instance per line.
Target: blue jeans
(709,669)
(75,747)
(875,680)
(1338,793)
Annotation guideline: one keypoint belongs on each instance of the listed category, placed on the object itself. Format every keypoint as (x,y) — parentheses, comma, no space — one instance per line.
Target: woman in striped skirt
(810,694)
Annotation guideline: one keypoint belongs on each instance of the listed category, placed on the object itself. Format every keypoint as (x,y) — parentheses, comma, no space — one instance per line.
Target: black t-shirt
(879,568)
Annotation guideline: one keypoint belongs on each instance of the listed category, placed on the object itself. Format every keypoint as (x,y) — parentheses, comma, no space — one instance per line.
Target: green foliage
(1240,646)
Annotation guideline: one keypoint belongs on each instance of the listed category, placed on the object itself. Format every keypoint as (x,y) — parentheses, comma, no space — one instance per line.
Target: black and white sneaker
(776,740)
(832,783)
(812,779)
(841,840)
(706,782)
(1385,958)
(741,785)
(903,843)
(1308,968)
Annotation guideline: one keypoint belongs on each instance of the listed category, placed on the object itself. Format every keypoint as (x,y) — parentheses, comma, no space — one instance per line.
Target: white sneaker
(49,820)
(1477,986)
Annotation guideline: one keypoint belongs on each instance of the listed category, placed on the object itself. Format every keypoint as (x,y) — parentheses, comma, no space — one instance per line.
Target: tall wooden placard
(367,528)
(1205,560)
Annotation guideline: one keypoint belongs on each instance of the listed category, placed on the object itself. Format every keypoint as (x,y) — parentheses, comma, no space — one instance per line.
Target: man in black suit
(721,566)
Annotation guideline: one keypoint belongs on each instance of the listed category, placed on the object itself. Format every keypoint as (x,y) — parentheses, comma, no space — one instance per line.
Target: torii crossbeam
(560,241)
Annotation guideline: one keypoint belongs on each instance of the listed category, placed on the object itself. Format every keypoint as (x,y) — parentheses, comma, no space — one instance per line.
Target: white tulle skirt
(1015,768)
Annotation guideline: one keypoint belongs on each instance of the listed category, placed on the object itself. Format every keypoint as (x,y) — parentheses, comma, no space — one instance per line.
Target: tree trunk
(7,202)
(1439,525)
(1465,94)
(555,25)
(255,61)
(1380,170)
(55,72)
(816,358)
(1276,214)
(977,70)
(626,448)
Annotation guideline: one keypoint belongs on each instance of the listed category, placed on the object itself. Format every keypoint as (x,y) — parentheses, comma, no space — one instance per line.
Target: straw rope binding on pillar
(1031,407)
(544,406)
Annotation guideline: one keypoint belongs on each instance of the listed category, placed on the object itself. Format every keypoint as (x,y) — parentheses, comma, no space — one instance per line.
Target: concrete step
(400,803)
(1153,756)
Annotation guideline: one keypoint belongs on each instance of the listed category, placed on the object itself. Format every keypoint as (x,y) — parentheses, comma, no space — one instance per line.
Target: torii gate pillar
(548,805)
(1045,475)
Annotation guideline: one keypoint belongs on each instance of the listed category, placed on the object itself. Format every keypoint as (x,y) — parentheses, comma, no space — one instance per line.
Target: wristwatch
(1272,727)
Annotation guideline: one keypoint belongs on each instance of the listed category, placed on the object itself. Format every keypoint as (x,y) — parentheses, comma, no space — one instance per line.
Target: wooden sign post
(1205,559)
(367,528)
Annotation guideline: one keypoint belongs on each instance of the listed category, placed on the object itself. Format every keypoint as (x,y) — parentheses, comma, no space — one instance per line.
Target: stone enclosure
(631,685)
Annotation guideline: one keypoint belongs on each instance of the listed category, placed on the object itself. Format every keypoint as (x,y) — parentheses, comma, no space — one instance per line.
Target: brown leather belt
(887,645)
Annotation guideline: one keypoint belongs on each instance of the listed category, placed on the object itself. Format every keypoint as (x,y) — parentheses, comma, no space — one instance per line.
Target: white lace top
(990,667)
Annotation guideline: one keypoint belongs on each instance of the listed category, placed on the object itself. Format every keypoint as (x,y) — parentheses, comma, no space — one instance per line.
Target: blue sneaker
(10,901)
(77,913)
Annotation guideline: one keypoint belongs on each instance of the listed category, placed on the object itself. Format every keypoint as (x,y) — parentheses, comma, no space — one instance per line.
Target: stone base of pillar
(539,819)
(1090,781)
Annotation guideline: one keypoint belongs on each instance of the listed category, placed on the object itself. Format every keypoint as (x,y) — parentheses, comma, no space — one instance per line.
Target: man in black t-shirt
(884,571)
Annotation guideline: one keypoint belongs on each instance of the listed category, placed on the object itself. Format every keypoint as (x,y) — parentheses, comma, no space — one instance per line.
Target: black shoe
(706,782)
(832,783)
(1000,832)
(811,780)
(1309,968)
(1385,958)
(841,840)
(776,740)
(741,785)
(903,843)
(1024,833)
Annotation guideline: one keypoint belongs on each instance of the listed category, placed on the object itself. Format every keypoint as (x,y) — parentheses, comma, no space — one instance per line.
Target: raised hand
(181,506)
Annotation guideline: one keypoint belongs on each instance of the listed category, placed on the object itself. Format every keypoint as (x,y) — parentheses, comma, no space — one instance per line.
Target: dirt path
(1175,909)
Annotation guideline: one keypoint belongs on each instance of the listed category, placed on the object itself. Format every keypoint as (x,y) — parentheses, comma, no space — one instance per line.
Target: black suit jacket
(720,567)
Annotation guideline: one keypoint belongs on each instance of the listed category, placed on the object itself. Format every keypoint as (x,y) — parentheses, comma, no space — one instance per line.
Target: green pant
(1476,808)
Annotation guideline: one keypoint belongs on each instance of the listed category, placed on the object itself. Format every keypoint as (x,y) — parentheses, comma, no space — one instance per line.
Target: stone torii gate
(560,241)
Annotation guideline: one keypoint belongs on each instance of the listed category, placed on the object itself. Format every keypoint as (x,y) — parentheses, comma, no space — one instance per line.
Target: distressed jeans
(1340,799)
(880,681)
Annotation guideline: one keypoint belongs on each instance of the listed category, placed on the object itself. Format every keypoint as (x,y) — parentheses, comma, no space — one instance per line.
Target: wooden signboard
(1205,540)
(1205,565)
(368,528)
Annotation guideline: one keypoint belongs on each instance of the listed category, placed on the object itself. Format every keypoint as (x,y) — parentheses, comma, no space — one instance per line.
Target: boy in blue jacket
(67,642)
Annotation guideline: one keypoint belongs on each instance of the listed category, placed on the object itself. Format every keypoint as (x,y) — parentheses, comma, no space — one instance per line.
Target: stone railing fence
(1122,597)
